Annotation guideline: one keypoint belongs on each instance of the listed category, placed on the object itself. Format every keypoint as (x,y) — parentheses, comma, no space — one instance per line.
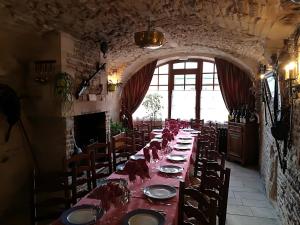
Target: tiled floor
(247,202)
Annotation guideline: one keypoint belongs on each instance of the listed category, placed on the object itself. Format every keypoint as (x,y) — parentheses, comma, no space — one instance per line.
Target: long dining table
(137,199)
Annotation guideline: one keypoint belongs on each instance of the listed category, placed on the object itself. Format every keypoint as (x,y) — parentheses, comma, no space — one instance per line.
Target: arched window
(188,89)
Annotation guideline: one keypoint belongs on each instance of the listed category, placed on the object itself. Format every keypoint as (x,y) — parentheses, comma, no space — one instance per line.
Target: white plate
(143,216)
(137,156)
(188,130)
(158,136)
(160,191)
(157,130)
(182,147)
(81,215)
(196,132)
(185,138)
(155,139)
(185,142)
(170,169)
(176,158)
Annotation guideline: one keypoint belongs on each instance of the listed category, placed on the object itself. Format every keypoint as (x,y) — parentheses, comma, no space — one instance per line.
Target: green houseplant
(116,128)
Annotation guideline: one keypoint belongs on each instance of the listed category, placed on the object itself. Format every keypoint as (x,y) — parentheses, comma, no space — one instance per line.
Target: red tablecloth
(137,199)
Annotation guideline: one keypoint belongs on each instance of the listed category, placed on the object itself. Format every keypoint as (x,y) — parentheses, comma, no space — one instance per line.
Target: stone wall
(283,189)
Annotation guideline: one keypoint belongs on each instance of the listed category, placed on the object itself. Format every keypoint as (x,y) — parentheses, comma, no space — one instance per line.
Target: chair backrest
(196,124)
(101,161)
(122,148)
(216,185)
(49,196)
(80,166)
(204,212)
(138,138)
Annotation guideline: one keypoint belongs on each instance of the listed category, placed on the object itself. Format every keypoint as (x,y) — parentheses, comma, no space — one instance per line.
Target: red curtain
(134,92)
(235,85)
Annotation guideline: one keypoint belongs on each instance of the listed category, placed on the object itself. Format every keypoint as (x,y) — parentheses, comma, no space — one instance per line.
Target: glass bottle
(238,114)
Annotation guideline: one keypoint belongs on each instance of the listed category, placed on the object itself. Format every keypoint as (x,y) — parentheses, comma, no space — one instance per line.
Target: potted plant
(116,128)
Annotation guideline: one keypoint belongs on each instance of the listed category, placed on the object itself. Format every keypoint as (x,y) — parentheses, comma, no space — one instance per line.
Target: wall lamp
(282,87)
(113,82)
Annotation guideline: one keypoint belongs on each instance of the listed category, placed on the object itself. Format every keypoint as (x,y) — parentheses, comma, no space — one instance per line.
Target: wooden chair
(196,124)
(138,138)
(146,129)
(80,166)
(122,148)
(203,213)
(215,184)
(50,196)
(101,161)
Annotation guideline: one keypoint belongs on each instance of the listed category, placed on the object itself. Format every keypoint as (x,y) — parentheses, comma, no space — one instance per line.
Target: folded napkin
(146,151)
(136,168)
(155,144)
(109,193)
(164,143)
(166,130)
(142,168)
(168,136)
(155,153)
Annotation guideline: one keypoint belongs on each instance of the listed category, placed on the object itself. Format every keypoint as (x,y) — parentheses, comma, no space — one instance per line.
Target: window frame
(198,72)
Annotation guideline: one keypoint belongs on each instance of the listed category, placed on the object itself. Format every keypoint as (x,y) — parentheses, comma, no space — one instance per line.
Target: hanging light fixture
(150,38)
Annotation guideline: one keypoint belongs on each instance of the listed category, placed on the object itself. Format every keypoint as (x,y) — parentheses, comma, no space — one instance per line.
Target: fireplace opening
(89,129)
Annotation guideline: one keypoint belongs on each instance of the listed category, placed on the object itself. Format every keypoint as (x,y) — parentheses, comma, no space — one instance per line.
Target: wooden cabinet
(242,142)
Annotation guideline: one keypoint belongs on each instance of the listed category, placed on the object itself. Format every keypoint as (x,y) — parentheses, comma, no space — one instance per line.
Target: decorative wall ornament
(44,70)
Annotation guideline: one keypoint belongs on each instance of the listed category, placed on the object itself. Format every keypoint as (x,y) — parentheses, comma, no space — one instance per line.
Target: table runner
(138,200)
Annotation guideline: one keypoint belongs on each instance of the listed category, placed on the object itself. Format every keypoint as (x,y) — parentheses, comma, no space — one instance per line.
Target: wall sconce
(113,82)
(292,67)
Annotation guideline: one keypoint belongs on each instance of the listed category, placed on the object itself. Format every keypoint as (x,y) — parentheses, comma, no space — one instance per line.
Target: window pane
(208,67)
(212,106)
(215,68)
(178,65)
(154,80)
(141,112)
(152,88)
(190,79)
(179,88)
(207,81)
(190,88)
(207,88)
(164,69)
(208,76)
(163,88)
(163,79)
(191,65)
(156,71)
(183,104)
(217,88)
(179,79)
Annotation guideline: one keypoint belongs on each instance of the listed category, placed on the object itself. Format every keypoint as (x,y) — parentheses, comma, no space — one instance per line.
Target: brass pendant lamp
(150,38)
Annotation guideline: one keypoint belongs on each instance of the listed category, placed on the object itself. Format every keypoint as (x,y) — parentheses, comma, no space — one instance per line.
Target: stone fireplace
(89,128)
(86,129)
